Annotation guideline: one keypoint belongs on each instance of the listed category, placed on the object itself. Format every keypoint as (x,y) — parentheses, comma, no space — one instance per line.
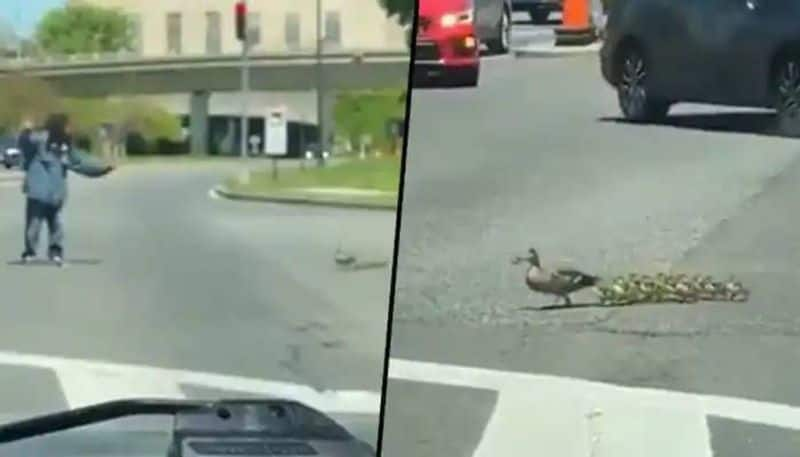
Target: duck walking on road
(560,282)
(342,258)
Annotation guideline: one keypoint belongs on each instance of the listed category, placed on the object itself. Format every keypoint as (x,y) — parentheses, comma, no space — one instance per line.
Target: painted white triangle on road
(551,415)
(88,385)
(88,382)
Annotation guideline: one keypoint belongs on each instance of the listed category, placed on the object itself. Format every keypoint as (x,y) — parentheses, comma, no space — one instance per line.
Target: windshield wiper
(102,412)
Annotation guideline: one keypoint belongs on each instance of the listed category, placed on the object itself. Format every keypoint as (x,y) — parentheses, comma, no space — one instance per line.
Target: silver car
(9,153)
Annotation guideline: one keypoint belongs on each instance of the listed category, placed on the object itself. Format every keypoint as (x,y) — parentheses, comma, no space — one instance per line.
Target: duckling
(560,283)
(612,295)
(735,291)
(342,259)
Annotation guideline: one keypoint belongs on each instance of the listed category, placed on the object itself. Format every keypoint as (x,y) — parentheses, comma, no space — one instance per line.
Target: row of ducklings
(664,288)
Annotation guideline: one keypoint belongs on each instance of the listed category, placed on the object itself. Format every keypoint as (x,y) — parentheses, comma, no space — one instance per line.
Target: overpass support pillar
(198,122)
(329,124)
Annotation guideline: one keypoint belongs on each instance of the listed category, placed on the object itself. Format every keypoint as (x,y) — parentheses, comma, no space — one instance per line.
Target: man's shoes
(27,257)
(57,260)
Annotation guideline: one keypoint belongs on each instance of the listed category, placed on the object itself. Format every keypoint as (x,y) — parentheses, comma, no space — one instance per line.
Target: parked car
(734,53)
(9,153)
(449,34)
(538,10)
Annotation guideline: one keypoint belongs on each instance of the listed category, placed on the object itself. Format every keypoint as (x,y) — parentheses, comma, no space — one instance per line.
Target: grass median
(372,182)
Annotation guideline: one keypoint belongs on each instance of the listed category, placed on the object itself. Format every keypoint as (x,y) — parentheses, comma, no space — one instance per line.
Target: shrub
(360,113)
(145,122)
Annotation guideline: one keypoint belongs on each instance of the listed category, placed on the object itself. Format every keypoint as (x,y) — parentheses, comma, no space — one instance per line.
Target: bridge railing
(131,57)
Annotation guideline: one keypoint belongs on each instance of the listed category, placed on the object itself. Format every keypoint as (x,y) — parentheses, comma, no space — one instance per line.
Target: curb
(224,193)
(556,51)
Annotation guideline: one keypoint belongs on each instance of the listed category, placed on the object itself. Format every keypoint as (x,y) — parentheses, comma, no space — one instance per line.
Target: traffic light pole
(245,86)
(323,140)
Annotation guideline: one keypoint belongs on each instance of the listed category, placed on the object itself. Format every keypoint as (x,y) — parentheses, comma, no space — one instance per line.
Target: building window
(174,33)
(136,33)
(213,32)
(291,30)
(254,27)
(333,28)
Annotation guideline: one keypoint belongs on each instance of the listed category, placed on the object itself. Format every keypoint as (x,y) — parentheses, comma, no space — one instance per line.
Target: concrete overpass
(98,76)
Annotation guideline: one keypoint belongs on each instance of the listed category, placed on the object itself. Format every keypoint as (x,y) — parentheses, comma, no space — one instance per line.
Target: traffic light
(241,21)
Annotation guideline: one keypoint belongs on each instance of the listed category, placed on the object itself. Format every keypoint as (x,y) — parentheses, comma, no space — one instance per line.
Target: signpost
(276,133)
(242,35)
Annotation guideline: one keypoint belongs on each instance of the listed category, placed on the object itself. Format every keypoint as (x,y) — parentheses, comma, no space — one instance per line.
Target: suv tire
(502,40)
(786,89)
(635,101)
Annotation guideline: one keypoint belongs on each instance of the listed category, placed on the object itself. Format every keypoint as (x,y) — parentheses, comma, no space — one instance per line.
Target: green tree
(81,28)
(367,113)
(403,10)
(149,120)
(25,97)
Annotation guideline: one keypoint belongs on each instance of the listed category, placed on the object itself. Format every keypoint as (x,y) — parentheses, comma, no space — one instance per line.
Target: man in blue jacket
(47,156)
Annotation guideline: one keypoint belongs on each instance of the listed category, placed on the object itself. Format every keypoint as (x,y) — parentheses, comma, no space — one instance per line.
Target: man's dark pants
(36,213)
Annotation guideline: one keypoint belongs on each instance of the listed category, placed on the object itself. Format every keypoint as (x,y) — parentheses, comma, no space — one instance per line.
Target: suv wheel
(632,92)
(786,85)
(502,41)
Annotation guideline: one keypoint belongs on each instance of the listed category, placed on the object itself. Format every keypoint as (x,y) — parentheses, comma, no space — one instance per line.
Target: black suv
(724,52)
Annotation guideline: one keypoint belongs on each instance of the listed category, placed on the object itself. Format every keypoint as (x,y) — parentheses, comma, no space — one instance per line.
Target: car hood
(146,436)
(137,436)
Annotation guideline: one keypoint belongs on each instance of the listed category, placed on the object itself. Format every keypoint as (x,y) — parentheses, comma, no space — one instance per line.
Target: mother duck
(560,282)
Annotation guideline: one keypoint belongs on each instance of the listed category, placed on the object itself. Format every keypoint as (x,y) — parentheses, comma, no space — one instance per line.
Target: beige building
(207,27)
(192,27)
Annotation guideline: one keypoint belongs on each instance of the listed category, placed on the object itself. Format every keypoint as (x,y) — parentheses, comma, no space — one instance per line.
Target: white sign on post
(276,133)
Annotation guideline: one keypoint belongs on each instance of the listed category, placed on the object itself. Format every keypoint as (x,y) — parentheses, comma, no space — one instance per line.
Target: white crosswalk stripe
(549,415)
(86,382)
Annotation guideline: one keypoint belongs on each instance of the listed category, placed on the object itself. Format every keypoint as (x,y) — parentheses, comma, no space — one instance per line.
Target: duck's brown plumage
(560,282)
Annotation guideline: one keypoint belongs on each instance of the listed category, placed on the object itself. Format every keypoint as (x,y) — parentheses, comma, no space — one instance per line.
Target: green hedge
(150,123)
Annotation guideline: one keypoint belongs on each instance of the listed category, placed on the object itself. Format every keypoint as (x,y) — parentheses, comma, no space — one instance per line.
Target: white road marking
(88,382)
(615,420)
(82,386)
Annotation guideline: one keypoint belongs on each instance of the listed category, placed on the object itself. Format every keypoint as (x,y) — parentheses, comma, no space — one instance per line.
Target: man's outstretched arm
(82,163)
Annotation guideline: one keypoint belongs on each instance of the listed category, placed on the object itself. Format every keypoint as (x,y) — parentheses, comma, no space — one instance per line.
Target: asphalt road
(536,157)
(524,32)
(162,275)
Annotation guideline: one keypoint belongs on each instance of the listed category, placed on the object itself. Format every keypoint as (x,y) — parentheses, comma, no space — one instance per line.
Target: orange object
(576,24)
(576,15)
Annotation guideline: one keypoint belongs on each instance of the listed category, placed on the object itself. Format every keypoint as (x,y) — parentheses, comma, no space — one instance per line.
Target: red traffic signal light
(241,20)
